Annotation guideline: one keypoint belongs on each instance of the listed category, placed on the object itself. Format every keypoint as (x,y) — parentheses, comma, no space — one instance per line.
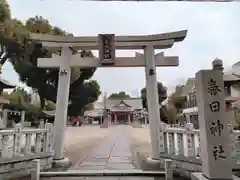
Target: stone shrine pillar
(129,118)
(60,121)
(5,117)
(214,134)
(22,118)
(104,119)
(115,118)
(153,103)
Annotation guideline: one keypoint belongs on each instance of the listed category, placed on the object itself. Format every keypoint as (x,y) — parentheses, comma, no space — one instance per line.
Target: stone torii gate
(148,60)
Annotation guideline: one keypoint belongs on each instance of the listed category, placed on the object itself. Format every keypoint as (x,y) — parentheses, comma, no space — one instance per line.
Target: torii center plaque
(106,49)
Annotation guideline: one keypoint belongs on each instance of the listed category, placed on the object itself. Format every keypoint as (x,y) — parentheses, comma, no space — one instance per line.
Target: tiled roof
(94,113)
(135,103)
(230,77)
(98,105)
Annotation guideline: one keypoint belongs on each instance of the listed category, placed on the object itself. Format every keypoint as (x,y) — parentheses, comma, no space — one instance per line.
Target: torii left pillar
(60,121)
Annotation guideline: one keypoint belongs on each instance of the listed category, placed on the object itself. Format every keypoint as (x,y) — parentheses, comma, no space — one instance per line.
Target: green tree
(9,34)
(81,95)
(171,114)
(162,95)
(175,98)
(17,99)
(50,106)
(23,54)
(120,95)
(25,95)
(5,13)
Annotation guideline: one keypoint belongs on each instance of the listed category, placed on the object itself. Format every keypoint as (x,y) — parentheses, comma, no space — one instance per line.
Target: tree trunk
(42,102)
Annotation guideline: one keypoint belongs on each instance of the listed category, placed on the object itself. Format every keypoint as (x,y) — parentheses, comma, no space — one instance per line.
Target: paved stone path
(113,154)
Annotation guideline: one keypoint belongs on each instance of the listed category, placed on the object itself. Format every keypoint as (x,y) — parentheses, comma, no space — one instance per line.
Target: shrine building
(123,110)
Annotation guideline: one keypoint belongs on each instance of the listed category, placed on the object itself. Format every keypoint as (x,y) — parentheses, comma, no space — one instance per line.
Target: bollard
(168,169)
(35,174)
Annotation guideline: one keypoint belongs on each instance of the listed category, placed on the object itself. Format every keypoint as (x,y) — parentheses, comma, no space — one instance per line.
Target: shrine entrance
(122,117)
(106,44)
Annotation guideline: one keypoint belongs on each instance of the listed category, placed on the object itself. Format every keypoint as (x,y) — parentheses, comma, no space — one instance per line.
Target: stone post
(129,118)
(5,117)
(60,120)
(35,173)
(2,125)
(17,140)
(104,123)
(214,133)
(115,118)
(41,124)
(168,169)
(22,118)
(152,102)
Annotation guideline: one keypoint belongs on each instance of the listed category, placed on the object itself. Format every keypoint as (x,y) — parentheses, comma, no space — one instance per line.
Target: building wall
(235,91)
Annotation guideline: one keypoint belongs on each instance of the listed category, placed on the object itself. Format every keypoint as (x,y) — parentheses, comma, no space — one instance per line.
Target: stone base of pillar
(104,124)
(136,124)
(153,164)
(2,125)
(61,163)
(200,176)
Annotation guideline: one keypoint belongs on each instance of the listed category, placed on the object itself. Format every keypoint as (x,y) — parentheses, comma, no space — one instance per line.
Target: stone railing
(179,141)
(19,147)
(183,146)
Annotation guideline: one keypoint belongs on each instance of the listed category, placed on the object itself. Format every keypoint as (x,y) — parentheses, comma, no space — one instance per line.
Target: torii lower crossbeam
(87,62)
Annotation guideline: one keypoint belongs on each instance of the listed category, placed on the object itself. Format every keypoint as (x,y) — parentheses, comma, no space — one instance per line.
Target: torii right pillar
(153,103)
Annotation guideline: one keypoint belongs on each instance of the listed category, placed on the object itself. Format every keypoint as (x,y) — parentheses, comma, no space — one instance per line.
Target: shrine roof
(98,105)
(94,113)
(135,103)
(230,77)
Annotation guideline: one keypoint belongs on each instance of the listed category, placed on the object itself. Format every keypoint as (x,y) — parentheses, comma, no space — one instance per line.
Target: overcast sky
(213,31)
